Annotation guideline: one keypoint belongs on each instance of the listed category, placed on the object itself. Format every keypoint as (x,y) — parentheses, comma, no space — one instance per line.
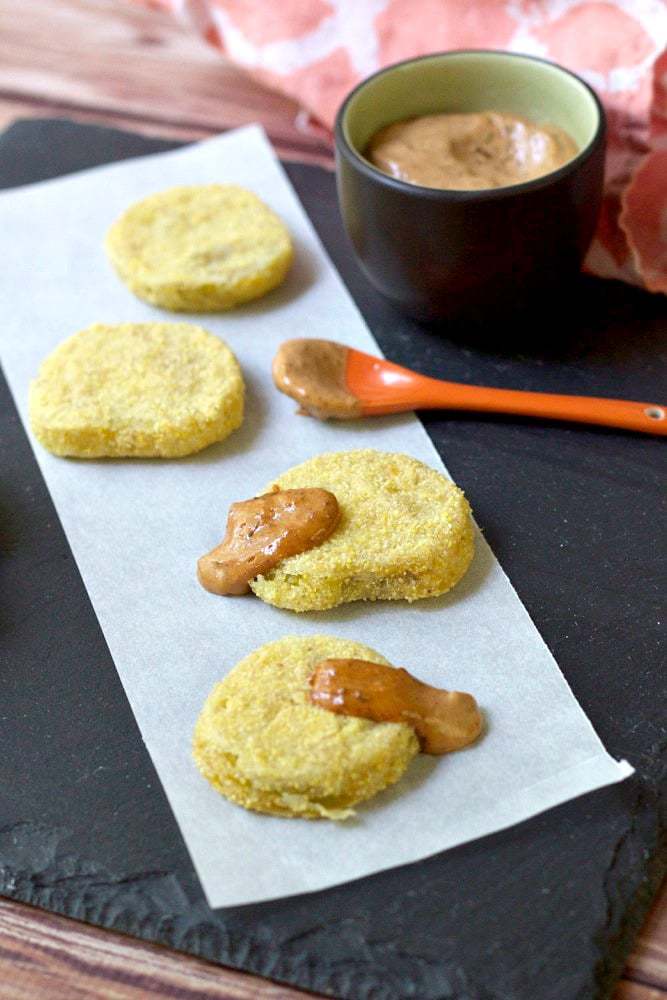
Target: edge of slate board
(546,910)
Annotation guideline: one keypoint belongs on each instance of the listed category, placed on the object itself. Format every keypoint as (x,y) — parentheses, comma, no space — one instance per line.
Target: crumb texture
(136,389)
(201,248)
(405,533)
(262,743)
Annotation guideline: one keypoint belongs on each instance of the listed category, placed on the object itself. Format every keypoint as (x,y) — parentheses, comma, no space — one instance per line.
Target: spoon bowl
(313,371)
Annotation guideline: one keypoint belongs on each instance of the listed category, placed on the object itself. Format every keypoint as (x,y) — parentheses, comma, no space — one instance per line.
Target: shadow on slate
(544,911)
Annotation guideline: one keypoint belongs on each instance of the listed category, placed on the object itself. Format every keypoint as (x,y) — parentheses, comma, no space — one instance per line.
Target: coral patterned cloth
(317,50)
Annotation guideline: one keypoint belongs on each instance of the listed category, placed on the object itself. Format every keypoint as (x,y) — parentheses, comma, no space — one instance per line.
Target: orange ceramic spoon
(330,380)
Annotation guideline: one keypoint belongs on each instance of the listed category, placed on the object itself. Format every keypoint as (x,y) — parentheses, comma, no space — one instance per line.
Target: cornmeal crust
(260,742)
(136,389)
(405,533)
(200,249)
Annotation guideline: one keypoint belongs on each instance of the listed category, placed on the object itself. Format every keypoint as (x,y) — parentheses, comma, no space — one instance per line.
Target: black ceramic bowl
(479,254)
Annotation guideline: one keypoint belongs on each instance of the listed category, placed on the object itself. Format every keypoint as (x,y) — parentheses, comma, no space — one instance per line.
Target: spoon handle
(651,418)
(384,387)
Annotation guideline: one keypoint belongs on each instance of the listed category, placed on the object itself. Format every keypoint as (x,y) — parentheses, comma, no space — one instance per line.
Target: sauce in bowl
(486,149)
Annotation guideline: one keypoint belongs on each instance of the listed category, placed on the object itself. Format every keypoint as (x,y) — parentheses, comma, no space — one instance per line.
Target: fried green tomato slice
(261,742)
(202,248)
(405,533)
(136,389)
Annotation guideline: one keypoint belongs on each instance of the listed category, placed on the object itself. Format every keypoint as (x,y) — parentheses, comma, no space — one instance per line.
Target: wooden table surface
(114,63)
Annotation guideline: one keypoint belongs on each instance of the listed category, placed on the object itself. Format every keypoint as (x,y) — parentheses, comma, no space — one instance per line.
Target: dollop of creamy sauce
(486,149)
(443,720)
(263,531)
(312,372)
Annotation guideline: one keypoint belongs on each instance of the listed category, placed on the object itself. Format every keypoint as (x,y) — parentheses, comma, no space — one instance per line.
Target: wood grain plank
(628,990)
(648,961)
(114,57)
(13,109)
(48,957)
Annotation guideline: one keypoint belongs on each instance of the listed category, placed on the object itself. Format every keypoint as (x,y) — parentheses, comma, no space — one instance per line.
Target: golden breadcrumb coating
(200,249)
(405,533)
(136,389)
(260,741)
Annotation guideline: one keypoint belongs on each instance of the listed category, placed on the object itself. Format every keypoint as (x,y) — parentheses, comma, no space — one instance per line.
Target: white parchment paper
(137,527)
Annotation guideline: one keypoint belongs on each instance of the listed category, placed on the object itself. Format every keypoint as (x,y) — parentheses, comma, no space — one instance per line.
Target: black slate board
(543,911)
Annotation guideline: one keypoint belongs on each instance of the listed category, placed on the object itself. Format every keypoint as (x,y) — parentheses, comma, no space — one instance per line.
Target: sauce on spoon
(312,372)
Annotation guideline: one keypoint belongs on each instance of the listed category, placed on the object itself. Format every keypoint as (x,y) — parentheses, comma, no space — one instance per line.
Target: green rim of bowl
(492,80)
